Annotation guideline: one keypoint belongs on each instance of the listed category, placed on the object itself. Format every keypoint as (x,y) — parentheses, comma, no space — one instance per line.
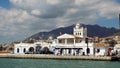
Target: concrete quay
(60,57)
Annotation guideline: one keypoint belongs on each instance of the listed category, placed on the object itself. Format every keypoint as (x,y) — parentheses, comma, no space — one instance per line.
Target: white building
(77,44)
(22,48)
(117,49)
(101,49)
(74,44)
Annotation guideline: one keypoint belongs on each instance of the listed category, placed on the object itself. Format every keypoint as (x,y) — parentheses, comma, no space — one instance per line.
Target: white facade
(117,49)
(74,44)
(101,50)
(23,48)
(70,45)
(67,44)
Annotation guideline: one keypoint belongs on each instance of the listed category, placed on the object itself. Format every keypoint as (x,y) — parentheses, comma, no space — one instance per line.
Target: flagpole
(119,21)
(119,24)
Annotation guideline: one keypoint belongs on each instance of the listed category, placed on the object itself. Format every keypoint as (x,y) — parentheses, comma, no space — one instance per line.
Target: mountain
(118,34)
(93,30)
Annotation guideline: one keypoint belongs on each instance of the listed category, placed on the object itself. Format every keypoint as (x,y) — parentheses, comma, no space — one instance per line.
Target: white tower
(80,31)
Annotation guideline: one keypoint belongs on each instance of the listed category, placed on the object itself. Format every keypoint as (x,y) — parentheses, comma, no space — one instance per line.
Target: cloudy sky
(20,19)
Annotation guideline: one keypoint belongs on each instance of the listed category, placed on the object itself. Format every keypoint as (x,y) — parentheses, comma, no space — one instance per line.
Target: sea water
(46,63)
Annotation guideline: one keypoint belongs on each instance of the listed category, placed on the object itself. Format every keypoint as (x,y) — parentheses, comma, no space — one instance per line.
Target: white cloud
(53,1)
(109,10)
(26,17)
(36,12)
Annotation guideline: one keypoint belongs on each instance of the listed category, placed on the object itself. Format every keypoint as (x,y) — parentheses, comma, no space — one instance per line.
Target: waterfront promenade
(60,57)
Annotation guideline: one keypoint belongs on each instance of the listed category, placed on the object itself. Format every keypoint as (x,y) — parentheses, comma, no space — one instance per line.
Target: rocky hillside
(93,30)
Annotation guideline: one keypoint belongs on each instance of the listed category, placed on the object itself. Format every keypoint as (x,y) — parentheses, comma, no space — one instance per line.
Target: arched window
(24,50)
(38,49)
(80,33)
(31,49)
(76,33)
(45,50)
(18,50)
(98,50)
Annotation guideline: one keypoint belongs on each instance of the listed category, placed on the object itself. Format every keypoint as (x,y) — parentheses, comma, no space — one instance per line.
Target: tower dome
(77,26)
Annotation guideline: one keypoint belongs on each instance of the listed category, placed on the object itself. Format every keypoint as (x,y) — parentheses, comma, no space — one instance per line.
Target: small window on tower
(80,33)
(76,33)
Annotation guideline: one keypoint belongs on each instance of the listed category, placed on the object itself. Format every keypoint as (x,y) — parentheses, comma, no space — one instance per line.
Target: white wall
(21,47)
(103,51)
(82,45)
(90,46)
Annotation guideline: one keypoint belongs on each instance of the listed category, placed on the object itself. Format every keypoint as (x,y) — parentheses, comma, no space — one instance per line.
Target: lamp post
(86,41)
(119,21)
(119,29)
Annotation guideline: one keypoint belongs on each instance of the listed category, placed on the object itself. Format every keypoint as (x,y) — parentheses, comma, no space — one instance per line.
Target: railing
(74,45)
(65,44)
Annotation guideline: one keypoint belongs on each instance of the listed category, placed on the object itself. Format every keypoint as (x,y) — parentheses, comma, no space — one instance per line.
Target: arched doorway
(24,50)
(88,51)
(38,49)
(18,50)
(31,50)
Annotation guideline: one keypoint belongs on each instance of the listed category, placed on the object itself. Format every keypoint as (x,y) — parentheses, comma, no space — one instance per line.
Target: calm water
(41,63)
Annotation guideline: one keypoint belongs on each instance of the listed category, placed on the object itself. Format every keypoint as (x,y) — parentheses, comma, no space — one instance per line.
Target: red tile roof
(102,44)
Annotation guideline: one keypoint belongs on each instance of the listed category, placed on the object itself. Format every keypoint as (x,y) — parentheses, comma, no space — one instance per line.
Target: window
(80,33)
(17,50)
(31,49)
(98,50)
(60,41)
(24,50)
(76,33)
(38,44)
(38,49)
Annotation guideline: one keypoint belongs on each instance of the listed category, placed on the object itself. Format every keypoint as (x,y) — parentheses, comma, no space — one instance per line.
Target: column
(20,49)
(71,51)
(67,51)
(65,41)
(63,52)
